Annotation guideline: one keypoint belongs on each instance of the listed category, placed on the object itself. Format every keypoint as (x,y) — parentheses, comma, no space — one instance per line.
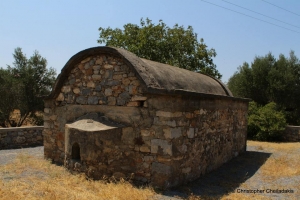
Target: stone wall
(171,141)
(292,134)
(21,137)
(101,80)
(167,140)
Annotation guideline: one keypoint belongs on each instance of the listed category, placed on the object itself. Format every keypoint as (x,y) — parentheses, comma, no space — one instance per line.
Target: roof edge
(141,68)
(192,94)
(225,88)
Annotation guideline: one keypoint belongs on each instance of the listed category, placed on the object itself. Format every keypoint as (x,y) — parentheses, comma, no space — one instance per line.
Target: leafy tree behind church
(268,80)
(175,46)
(22,87)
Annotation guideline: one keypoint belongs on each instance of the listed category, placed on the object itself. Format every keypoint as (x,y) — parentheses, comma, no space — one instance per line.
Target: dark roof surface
(158,78)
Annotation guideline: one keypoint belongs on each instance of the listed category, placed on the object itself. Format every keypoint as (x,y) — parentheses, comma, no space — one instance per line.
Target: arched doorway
(76,151)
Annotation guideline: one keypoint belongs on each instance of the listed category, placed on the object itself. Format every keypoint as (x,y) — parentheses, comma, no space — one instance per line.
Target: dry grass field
(264,166)
(32,178)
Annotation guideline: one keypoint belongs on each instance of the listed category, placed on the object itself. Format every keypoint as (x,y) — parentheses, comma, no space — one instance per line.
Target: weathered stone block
(108,66)
(81,100)
(128,134)
(20,139)
(160,168)
(171,123)
(108,74)
(85,91)
(111,101)
(132,89)
(113,83)
(126,81)
(66,89)
(96,77)
(60,97)
(98,88)
(76,90)
(117,77)
(138,98)
(96,67)
(163,159)
(90,84)
(203,111)
(53,117)
(92,100)
(120,102)
(92,62)
(99,61)
(135,82)
(191,133)
(86,60)
(168,114)
(108,92)
(134,103)
(186,170)
(189,115)
(145,149)
(47,110)
(171,133)
(163,144)
(146,133)
(125,95)
(148,158)
(48,124)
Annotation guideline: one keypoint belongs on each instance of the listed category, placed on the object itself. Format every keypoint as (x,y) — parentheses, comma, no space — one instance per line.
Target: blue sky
(60,29)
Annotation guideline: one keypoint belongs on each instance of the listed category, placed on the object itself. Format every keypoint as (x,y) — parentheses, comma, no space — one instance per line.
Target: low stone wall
(292,134)
(21,137)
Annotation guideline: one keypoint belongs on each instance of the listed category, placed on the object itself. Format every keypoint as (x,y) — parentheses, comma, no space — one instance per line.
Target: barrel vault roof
(158,78)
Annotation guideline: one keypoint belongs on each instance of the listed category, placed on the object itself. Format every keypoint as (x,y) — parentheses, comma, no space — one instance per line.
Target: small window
(76,151)
(142,103)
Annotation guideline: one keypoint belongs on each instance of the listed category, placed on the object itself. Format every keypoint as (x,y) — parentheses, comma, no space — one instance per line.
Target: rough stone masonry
(21,137)
(112,113)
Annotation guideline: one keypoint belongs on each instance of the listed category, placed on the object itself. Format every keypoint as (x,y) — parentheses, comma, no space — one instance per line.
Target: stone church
(112,113)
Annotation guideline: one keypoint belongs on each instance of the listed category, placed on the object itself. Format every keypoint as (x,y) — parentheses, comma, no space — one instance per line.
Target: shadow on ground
(225,179)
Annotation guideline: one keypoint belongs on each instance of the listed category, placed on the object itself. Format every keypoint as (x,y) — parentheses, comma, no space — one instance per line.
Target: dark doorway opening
(76,151)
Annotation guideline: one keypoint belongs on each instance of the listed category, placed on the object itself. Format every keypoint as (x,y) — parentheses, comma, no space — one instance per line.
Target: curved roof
(158,78)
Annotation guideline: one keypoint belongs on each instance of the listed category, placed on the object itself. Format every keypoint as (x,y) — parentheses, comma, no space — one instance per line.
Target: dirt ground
(264,166)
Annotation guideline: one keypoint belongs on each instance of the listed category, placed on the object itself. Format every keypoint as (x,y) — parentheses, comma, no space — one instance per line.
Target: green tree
(25,85)
(271,80)
(11,94)
(175,46)
(265,123)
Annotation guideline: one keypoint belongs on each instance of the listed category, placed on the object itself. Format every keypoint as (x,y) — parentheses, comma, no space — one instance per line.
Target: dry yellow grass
(39,179)
(285,163)
(34,178)
(277,146)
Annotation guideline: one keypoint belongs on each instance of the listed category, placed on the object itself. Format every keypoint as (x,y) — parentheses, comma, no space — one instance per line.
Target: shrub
(265,123)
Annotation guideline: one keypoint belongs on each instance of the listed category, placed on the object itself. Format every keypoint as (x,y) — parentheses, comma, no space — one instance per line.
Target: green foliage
(175,46)
(271,80)
(23,86)
(11,96)
(252,111)
(265,123)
